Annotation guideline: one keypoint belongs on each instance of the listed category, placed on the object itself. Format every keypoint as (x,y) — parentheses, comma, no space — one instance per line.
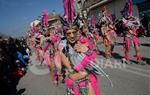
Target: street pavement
(128,79)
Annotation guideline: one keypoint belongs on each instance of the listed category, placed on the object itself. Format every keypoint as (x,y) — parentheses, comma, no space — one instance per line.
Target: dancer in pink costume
(78,56)
(52,54)
(38,50)
(131,25)
(57,60)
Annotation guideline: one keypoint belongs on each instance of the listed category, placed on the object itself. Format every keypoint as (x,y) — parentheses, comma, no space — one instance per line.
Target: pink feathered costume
(91,77)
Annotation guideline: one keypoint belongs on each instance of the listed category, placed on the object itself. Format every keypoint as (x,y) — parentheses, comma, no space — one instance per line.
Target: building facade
(94,7)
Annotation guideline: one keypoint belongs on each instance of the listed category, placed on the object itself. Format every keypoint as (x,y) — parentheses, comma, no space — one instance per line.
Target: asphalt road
(131,79)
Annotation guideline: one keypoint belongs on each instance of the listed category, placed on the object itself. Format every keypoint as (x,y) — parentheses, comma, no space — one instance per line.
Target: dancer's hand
(79,47)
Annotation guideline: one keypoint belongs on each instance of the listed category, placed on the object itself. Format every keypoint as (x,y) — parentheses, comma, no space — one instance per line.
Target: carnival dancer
(78,57)
(108,33)
(113,37)
(77,81)
(55,55)
(79,61)
(109,38)
(39,39)
(131,24)
(36,40)
(46,48)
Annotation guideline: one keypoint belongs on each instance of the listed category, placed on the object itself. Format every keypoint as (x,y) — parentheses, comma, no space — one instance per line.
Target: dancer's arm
(79,75)
(76,75)
(41,41)
(65,61)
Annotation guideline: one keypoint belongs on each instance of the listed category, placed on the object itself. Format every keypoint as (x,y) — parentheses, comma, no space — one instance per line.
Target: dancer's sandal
(126,61)
(140,62)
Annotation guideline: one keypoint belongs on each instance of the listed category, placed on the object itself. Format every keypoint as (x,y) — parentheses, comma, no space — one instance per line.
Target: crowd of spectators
(13,63)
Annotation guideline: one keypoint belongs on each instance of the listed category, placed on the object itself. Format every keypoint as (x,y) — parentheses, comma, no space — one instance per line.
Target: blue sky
(16,15)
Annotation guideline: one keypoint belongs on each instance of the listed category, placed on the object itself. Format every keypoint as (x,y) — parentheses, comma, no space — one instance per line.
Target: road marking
(138,69)
(137,73)
(124,67)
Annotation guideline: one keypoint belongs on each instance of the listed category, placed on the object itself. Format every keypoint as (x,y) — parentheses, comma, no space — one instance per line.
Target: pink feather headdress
(45,18)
